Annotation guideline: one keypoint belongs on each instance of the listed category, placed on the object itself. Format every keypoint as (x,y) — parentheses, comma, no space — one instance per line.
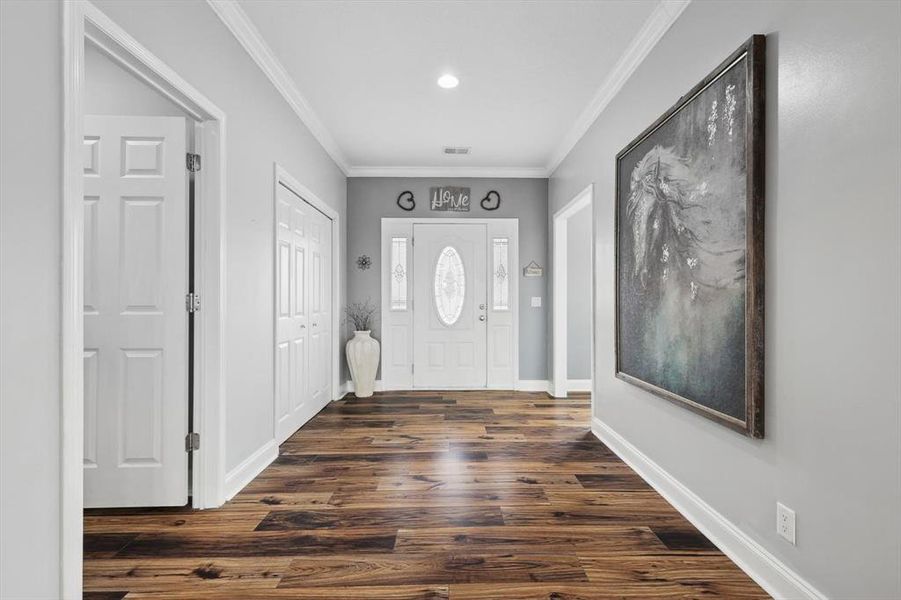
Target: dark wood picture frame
(753,422)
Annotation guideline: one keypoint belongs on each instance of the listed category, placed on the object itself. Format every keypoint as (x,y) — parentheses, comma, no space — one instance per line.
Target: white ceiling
(531,73)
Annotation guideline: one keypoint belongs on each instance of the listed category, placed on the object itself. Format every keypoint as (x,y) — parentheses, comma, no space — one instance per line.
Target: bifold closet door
(302,312)
(321,309)
(135,322)
(292,356)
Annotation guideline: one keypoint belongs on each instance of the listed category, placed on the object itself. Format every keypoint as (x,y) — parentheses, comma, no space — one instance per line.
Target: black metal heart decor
(405,201)
(486,201)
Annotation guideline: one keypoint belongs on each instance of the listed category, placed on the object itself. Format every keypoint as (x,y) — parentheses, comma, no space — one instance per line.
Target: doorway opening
(138,266)
(573,305)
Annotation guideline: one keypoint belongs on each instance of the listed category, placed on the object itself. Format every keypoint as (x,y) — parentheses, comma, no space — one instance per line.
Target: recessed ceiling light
(448,81)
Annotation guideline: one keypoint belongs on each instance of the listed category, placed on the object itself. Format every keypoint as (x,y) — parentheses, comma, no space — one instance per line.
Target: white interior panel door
(320,309)
(135,322)
(449,306)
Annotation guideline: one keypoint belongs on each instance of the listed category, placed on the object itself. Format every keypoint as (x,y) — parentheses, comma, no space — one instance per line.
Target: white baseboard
(572,385)
(253,465)
(769,572)
(349,386)
(524,385)
(533,385)
(578,385)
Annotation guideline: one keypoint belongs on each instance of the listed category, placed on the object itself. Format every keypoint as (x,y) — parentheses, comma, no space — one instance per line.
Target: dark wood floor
(470,495)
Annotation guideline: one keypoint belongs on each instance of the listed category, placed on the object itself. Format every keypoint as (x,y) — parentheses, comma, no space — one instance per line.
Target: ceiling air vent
(456,149)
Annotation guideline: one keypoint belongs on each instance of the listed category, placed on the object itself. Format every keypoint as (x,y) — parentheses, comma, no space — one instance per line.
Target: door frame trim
(560,378)
(385,290)
(283,177)
(83,22)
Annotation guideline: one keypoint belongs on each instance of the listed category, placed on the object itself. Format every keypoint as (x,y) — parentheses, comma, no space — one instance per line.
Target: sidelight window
(399,273)
(500,270)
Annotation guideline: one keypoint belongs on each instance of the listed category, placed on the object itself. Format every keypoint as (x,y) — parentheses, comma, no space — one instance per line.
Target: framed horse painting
(689,248)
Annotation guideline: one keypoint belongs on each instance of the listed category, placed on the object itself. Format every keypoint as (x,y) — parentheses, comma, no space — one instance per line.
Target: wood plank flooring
(461,495)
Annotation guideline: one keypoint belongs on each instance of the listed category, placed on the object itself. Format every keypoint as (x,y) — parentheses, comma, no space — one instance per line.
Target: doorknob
(481,307)
(481,317)
(303,326)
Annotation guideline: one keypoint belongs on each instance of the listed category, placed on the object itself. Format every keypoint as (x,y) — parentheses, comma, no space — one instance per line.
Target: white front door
(450,302)
(135,323)
(303,313)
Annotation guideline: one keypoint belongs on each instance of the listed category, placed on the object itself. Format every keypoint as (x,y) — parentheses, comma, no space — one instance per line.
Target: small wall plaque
(454,199)
(533,269)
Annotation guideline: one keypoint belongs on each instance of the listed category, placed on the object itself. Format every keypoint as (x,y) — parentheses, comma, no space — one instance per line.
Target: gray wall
(30,213)
(832,294)
(578,296)
(370,199)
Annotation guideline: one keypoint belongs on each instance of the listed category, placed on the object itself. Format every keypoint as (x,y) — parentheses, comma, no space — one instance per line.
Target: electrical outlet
(785,522)
(536,301)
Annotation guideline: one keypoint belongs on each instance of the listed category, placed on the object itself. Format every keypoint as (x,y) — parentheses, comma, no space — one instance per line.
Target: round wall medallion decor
(364,262)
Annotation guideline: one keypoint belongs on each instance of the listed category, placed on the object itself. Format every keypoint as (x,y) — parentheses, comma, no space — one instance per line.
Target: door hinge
(192,302)
(192,442)
(192,162)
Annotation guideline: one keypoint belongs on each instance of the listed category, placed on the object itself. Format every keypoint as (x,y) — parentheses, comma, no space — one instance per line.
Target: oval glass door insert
(450,285)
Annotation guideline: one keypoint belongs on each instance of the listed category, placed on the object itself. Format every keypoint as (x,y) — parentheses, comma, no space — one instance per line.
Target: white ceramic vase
(363,358)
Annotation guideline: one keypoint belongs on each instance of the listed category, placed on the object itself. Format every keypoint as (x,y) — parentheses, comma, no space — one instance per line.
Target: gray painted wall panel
(578,296)
(30,251)
(833,243)
(112,90)
(371,198)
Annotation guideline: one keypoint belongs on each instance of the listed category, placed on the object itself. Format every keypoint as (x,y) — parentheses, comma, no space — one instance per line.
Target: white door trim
(560,385)
(83,22)
(283,177)
(391,224)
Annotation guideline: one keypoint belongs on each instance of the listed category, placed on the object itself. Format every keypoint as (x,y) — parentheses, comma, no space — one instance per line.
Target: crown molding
(469,172)
(237,21)
(657,24)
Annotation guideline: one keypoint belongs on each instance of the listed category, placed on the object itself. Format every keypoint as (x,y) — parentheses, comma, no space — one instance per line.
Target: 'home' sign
(450,199)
